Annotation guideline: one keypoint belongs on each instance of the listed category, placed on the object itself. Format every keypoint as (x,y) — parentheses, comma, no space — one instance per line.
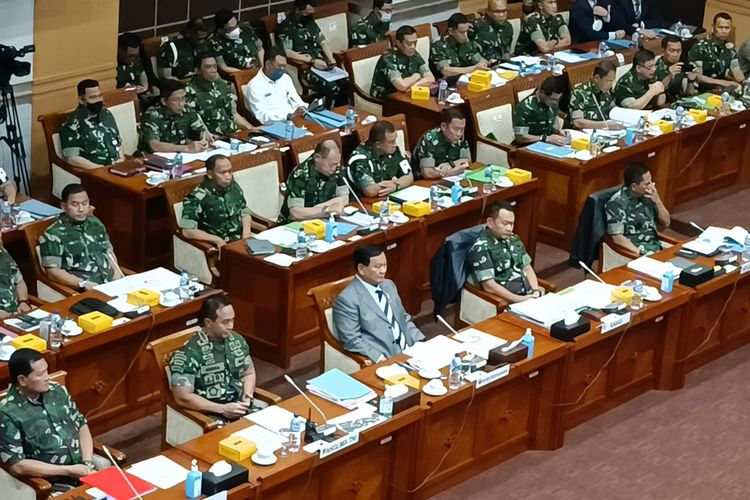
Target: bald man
(492,31)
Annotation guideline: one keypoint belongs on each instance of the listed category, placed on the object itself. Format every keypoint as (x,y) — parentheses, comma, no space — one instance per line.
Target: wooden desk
(646,354)
(97,362)
(719,315)
(487,426)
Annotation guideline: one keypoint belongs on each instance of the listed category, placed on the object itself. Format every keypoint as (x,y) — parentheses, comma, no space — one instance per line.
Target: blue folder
(551,150)
(339,385)
(39,210)
(278,130)
(620,44)
(327,118)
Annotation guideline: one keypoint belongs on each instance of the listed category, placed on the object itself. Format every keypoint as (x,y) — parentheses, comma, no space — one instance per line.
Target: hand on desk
(319,64)
(336,205)
(233,410)
(557,139)
(79,470)
(387,187)
(196,146)
(23,307)
(613,125)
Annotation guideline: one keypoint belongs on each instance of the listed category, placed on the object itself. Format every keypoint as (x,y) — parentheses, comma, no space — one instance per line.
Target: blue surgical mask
(276,74)
(385,17)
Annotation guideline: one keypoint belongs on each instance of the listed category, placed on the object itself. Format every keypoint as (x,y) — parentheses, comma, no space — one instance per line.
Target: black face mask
(94,107)
(307,18)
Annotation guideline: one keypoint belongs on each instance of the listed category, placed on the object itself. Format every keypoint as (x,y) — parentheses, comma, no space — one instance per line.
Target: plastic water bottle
(295,429)
(177,167)
(194,482)
(746,87)
(746,249)
(332,229)
(489,181)
(289,129)
(184,290)
(640,130)
(679,120)
(301,252)
(667,281)
(385,406)
(528,340)
(637,302)
(726,100)
(454,377)
(603,48)
(434,197)
(351,120)
(442,91)
(456,192)
(55,330)
(636,39)
(551,61)
(383,213)
(7,216)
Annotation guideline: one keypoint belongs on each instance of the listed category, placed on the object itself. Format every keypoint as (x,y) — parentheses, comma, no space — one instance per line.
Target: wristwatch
(544,138)
(89,463)
(82,284)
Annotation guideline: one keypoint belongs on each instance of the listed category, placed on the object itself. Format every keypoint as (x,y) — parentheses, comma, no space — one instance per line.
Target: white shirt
(272,101)
(372,289)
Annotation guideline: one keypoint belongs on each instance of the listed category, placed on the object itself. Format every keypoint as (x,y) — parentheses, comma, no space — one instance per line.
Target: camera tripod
(14,139)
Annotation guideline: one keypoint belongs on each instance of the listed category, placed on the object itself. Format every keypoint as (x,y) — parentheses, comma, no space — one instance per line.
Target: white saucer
(398,220)
(427,389)
(166,303)
(651,294)
(389,371)
(71,329)
(504,182)
(430,374)
(271,460)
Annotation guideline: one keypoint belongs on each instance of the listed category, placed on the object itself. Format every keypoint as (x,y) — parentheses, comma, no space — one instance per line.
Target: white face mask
(385,17)
(598,25)
(234,34)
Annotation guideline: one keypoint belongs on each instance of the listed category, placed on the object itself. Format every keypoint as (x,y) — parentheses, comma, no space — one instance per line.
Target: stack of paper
(478,342)
(652,267)
(158,280)
(338,387)
(202,156)
(39,210)
(628,117)
(159,471)
(433,354)
(263,438)
(273,418)
(331,75)
(280,236)
(713,237)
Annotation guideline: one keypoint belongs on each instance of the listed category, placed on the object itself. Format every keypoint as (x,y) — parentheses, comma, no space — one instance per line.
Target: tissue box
(143,297)
(477,87)
(94,322)
(580,144)
(714,100)
(497,357)
(420,93)
(416,208)
(211,484)
(406,401)
(518,175)
(567,333)
(622,294)
(481,77)
(407,380)
(665,126)
(236,448)
(392,206)
(699,115)
(315,226)
(29,341)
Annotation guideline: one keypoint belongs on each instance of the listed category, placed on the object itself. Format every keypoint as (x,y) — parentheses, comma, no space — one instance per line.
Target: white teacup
(435,385)
(171,297)
(264,454)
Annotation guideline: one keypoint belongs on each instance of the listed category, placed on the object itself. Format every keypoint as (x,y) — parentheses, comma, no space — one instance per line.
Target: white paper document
(279,236)
(553,307)
(628,117)
(360,219)
(652,267)
(263,438)
(202,156)
(478,342)
(121,304)
(281,259)
(273,418)
(713,237)
(568,57)
(156,280)
(435,353)
(160,471)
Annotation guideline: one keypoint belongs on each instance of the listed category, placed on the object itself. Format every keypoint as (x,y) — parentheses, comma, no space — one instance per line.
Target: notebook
(551,150)
(39,210)
(338,387)
(111,482)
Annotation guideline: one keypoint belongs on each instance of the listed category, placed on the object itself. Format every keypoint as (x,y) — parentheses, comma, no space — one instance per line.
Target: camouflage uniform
(630,88)
(533,117)
(10,277)
(674,89)
(95,138)
(536,27)
(634,217)
(368,30)
(499,259)
(433,149)
(237,53)
(178,55)
(584,100)
(715,58)
(214,102)
(215,210)
(160,124)
(366,167)
(392,65)
(305,37)
(45,430)
(448,52)
(214,369)
(79,248)
(129,74)
(307,187)
(494,39)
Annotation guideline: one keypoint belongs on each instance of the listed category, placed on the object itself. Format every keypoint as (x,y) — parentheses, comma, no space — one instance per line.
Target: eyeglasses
(653,66)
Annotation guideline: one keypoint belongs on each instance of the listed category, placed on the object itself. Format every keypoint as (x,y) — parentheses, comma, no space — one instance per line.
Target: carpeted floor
(688,444)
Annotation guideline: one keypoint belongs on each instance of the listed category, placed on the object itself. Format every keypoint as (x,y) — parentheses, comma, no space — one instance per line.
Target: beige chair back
(360,62)
(333,22)
(304,147)
(260,175)
(492,113)
(516,25)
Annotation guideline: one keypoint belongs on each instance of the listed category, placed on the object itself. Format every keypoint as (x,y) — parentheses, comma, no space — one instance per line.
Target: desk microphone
(449,327)
(325,429)
(591,272)
(696,226)
(359,202)
(111,459)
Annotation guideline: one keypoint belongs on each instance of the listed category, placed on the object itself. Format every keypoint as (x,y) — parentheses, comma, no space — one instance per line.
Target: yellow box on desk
(714,100)
(518,175)
(143,297)
(392,206)
(407,380)
(94,322)
(315,226)
(580,143)
(29,341)
(419,93)
(477,87)
(416,208)
(508,74)
(699,115)
(622,294)
(665,126)
(481,77)
(236,448)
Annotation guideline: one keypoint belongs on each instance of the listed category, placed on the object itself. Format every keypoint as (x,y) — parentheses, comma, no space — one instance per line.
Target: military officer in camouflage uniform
(591,101)
(176,57)
(213,99)
(669,71)
(236,46)
(171,126)
(89,137)
(129,69)
(443,151)
(535,117)
(454,54)
(216,211)
(498,260)
(378,167)
(373,27)
(304,43)
(75,250)
(639,87)
(634,211)
(492,32)
(213,372)
(42,432)
(315,187)
(14,295)
(543,31)
(401,68)
(716,57)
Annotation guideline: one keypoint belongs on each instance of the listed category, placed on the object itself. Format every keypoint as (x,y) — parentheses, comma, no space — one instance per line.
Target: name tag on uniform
(405,166)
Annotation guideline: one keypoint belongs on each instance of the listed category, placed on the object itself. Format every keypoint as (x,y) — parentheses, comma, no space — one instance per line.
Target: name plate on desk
(486,378)
(613,320)
(745,267)
(339,444)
